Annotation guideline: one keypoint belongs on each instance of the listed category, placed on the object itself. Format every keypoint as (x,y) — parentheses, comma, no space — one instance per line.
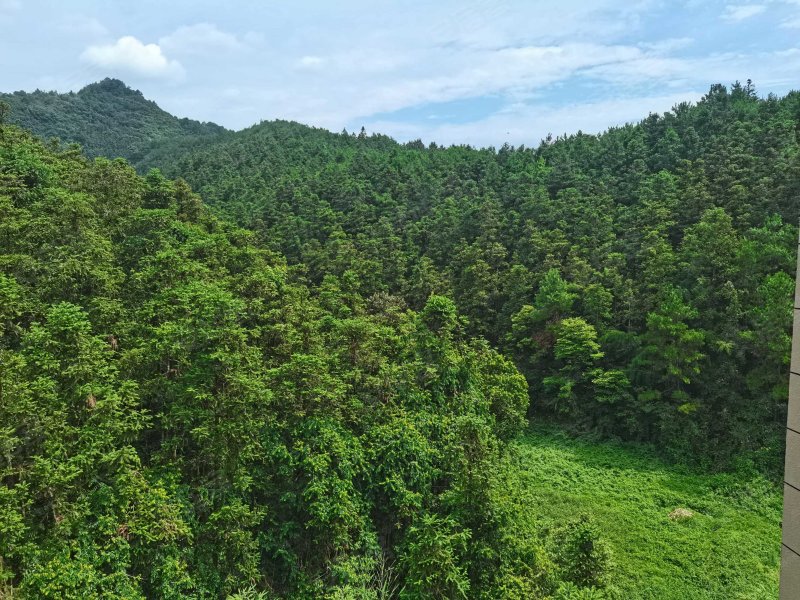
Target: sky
(454,72)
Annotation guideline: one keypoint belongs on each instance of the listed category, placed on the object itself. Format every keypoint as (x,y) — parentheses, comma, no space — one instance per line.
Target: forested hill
(182,418)
(316,402)
(641,279)
(106,118)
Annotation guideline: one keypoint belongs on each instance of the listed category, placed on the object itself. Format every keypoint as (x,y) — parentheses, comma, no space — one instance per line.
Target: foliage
(106,118)
(729,548)
(581,558)
(318,404)
(657,233)
(183,416)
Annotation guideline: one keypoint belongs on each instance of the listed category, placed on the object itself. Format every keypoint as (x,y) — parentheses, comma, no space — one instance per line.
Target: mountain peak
(111,85)
(106,118)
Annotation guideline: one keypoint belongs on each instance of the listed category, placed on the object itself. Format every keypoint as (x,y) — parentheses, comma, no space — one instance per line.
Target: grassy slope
(730,549)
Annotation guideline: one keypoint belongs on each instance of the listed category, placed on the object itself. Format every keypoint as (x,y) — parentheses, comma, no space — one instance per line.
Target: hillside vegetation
(183,417)
(289,363)
(670,533)
(640,279)
(106,118)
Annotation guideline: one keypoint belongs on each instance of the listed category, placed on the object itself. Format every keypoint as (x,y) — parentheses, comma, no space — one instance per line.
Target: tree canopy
(287,362)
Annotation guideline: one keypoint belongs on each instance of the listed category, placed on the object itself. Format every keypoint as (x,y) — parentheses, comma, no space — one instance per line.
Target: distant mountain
(106,118)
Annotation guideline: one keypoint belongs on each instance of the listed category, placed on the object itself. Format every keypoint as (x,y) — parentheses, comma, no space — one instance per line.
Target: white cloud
(440,63)
(130,55)
(201,38)
(792,21)
(357,85)
(739,12)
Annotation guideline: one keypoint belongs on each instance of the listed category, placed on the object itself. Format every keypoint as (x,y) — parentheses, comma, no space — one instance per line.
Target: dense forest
(641,279)
(285,362)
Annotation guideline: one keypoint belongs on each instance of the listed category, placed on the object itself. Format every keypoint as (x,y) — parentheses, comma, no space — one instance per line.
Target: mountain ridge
(86,117)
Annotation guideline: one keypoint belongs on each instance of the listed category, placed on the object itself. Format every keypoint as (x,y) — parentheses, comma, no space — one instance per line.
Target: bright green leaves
(554,298)
(769,341)
(505,390)
(580,556)
(400,458)
(228,546)
(564,351)
(158,192)
(58,244)
(611,386)
(12,307)
(183,415)
(672,347)
(431,557)
(439,316)
(771,316)
(76,425)
(532,326)
(329,462)
(575,350)
(25,169)
(576,343)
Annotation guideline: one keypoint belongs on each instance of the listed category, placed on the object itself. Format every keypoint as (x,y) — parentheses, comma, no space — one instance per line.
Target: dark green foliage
(182,416)
(579,555)
(319,404)
(649,243)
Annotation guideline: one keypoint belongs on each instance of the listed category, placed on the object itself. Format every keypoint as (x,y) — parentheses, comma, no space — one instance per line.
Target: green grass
(730,548)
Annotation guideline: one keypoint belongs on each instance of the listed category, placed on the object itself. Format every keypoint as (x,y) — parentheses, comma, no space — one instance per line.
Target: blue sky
(482,73)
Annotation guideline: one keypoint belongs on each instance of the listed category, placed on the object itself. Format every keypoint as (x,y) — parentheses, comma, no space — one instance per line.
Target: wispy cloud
(201,38)
(474,65)
(767,69)
(529,124)
(83,26)
(310,62)
(386,83)
(9,9)
(739,12)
